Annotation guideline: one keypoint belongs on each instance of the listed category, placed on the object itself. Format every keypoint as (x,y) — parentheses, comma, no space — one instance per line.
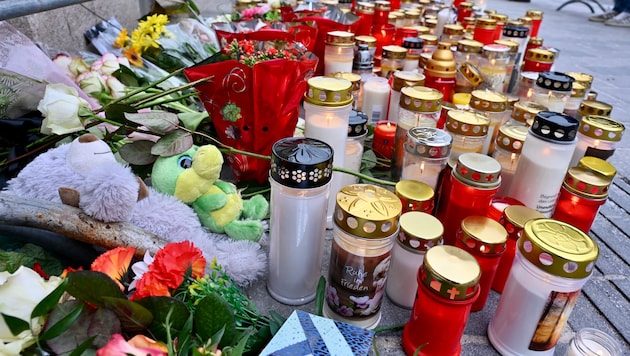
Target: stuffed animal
(85,172)
(193,177)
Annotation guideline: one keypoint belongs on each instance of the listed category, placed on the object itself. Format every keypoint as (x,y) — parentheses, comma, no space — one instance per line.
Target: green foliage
(93,287)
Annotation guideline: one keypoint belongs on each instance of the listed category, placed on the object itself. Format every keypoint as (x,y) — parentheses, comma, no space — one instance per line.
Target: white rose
(274,4)
(62,62)
(91,82)
(116,88)
(78,66)
(61,107)
(15,302)
(107,64)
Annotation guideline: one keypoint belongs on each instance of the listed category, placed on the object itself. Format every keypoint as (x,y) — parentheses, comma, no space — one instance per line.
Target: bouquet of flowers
(164,304)
(254,99)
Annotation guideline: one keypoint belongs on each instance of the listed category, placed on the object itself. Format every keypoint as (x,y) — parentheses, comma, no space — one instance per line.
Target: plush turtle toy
(193,177)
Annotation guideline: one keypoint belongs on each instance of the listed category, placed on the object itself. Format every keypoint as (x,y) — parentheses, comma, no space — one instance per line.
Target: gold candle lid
(594,107)
(394,52)
(365,7)
(514,218)
(525,111)
(421,99)
(485,23)
(469,46)
(466,6)
(487,100)
(382,5)
(429,39)
(419,231)
(366,210)
(368,40)
(353,78)
(601,128)
(414,195)
(467,123)
(453,29)
(512,45)
(578,90)
(403,78)
(422,30)
(535,41)
(534,14)
(328,91)
(489,11)
(442,63)
(514,22)
(558,248)
(526,21)
(511,137)
(450,272)
(499,17)
(430,22)
(598,166)
(540,55)
(340,38)
(478,170)
(471,73)
(393,16)
(412,14)
(582,78)
(482,235)
(584,182)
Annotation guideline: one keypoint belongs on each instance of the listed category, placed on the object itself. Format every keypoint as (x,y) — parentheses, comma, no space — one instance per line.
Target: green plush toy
(193,177)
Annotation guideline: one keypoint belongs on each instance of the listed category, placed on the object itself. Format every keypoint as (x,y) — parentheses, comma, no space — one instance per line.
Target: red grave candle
(485,239)
(538,60)
(513,220)
(384,137)
(536,16)
(447,286)
(498,205)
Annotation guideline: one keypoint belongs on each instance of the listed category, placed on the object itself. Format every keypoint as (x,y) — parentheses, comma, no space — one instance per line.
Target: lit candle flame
(422,167)
(512,160)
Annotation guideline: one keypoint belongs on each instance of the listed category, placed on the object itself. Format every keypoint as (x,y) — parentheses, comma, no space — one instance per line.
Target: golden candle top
(450,272)
(485,23)
(511,137)
(403,78)
(354,78)
(584,182)
(598,166)
(601,128)
(421,99)
(340,38)
(482,235)
(517,216)
(368,40)
(328,91)
(594,107)
(540,55)
(414,195)
(419,231)
(467,123)
(469,46)
(488,100)
(394,52)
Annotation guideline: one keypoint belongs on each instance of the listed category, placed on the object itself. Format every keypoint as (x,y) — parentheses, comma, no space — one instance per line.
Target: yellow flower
(133,56)
(122,39)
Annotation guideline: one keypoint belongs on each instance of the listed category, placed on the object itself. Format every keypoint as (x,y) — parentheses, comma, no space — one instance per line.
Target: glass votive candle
(578,92)
(552,89)
(484,30)
(493,65)
(468,130)
(507,151)
(353,78)
(538,60)
(582,193)
(468,79)
(414,49)
(401,79)
(357,131)
(511,74)
(427,150)
(493,105)
(452,34)
(412,18)
(593,107)
(419,106)
(429,44)
(597,136)
(393,59)
(418,233)
(376,91)
(589,342)
(524,87)
(369,41)
(339,52)
(524,112)
(485,239)
(366,223)
(468,51)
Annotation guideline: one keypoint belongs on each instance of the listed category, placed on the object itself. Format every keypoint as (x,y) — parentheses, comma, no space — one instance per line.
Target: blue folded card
(307,334)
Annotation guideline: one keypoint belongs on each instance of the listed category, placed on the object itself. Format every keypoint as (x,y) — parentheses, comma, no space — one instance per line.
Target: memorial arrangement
(435,141)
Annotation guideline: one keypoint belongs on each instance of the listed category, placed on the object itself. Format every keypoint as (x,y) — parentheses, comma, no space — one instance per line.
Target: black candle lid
(515,31)
(358,124)
(300,162)
(412,42)
(555,81)
(555,126)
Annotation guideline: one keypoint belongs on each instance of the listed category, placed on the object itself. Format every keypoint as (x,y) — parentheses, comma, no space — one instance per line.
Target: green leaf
(320,296)
(158,122)
(211,314)
(16,325)
(239,349)
(368,160)
(137,153)
(116,112)
(78,351)
(92,287)
(173,143)
(126,76)
(160,307)
(50,301)
(191,120)
(133,316)
(62,325)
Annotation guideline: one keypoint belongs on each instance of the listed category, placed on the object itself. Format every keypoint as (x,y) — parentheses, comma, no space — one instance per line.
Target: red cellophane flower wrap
(254,106)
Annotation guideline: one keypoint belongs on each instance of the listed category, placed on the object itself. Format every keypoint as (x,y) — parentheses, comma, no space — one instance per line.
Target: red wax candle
(536,16)
(366,19)
(447,286)
(498,205)
(485,239)
(538,60)
(384,137)
(513,219)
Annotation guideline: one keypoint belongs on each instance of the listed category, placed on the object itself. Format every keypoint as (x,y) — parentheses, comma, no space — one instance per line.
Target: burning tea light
(383,141)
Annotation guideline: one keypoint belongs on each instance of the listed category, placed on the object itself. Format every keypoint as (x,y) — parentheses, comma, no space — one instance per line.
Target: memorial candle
(383,141)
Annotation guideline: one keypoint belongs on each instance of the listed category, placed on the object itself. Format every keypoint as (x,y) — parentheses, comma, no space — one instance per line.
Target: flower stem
(172,90)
